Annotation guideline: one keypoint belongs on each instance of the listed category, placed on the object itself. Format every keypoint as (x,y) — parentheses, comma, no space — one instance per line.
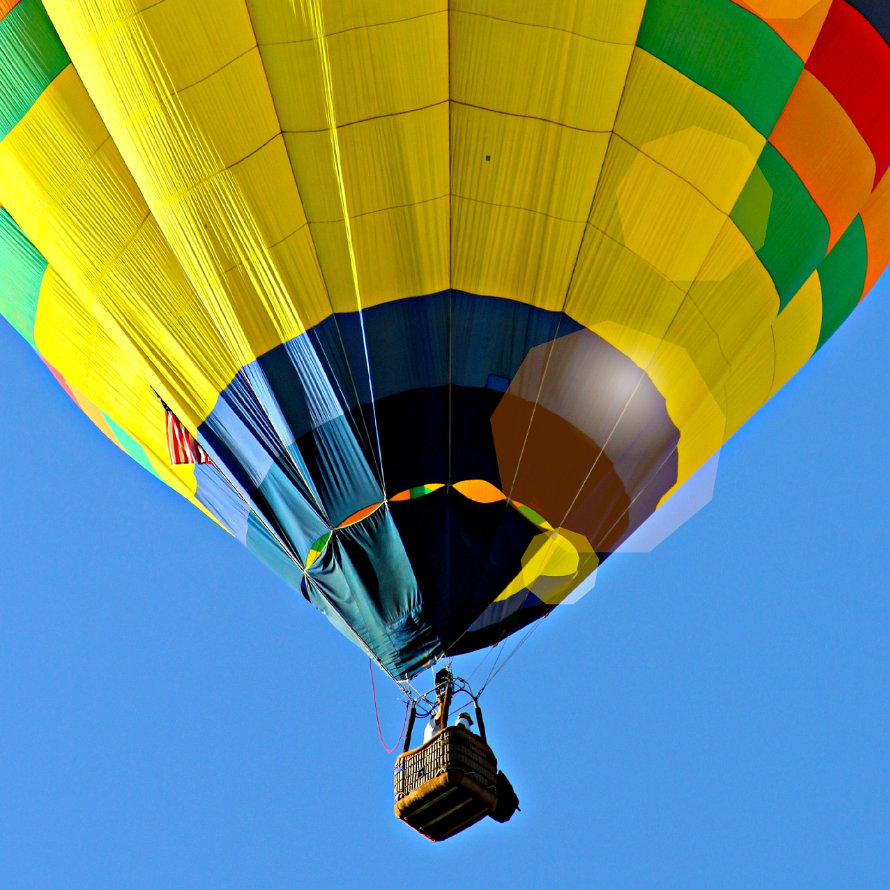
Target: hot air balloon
(433,304)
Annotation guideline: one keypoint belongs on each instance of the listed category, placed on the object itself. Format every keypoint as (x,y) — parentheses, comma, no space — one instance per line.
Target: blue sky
(714,713)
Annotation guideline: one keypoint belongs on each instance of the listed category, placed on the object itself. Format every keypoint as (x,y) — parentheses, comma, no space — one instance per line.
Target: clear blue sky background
(715,714)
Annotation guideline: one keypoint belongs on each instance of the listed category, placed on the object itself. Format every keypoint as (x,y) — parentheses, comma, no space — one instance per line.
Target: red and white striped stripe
(184,448)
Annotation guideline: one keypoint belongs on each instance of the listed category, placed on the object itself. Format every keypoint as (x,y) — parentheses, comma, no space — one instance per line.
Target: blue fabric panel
(498,613)
(291,515)
(233,435)
(408,341)
(343,473)
(218,497)
(298,433)
(493,336)
(365,577)
(263,544)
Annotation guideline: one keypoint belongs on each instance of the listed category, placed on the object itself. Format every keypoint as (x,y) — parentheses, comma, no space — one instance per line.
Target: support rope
(377,715)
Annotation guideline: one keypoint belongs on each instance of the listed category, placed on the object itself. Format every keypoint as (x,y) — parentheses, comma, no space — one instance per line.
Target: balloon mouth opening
(478,490)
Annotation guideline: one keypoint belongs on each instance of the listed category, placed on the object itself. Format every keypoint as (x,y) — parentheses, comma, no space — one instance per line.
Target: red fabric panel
(59,379)
(853,62)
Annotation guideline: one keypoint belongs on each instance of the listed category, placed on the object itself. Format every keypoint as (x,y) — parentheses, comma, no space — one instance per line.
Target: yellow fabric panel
(876,221)
(734,293)
(655,213)
(797,22)
(750,382)
(71,339)
(613,284)
(59,153)
(839,176)
(595,19)
(389,92)
(389,69)
(237,93)
(620,297)
(796,331)
(168,325)
(315,173)
(695,412)
(387,162)
(266,176)
(64,182)
(295,81)
(284,21)
(178,147)
(525,162)
(214,38)
(74,343)
(513,253)
(553,564)
(375,71)
(536,72)
(399,252)
(687,129)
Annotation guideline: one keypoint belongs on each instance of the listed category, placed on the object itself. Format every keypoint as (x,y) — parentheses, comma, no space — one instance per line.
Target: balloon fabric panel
(455,295)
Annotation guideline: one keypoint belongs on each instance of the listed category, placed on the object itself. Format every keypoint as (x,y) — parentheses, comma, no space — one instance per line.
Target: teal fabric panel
(31,56)
(21,274)
(131,446)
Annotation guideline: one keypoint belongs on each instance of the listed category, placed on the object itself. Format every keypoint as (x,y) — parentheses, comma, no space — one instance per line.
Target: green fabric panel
(31,56)
(728,51)
(131,446)
(842,276)
(318,546)
(531,515)
(782,223)
(21,274)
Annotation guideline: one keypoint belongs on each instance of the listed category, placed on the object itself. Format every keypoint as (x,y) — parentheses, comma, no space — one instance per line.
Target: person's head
(464,719)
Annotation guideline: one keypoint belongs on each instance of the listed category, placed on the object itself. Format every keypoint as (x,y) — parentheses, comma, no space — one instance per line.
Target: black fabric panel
(490,636)
(463,554)
(414,436)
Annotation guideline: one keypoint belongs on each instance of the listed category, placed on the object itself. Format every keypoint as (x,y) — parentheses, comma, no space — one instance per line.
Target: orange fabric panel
(797,22)
(839,175)
(480,491)
(357,517)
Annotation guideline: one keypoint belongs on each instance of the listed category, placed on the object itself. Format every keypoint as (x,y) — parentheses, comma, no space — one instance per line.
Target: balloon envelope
(453,295)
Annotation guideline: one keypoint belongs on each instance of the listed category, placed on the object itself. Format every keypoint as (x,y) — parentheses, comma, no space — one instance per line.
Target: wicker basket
(446,784)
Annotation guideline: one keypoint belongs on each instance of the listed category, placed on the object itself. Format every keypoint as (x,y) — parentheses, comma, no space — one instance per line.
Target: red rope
(377,716)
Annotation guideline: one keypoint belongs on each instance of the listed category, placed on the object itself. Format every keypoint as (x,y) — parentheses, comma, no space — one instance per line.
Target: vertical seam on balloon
(448,542)
(316,18)
(320,345)
(317,22)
